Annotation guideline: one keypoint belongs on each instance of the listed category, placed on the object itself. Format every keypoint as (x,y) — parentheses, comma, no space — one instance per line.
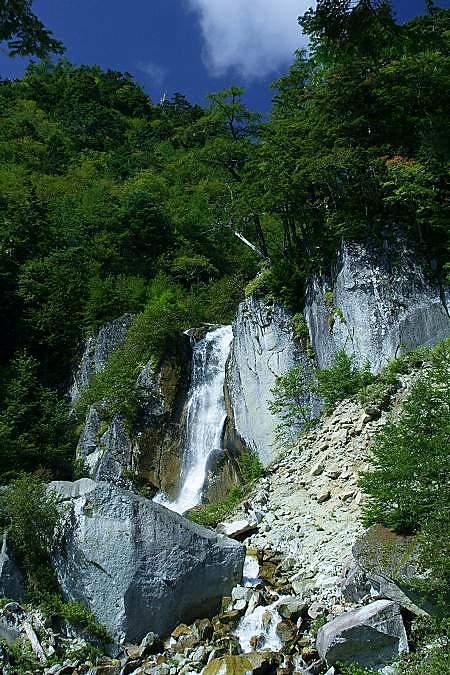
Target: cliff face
(109,450)
(375,305)
(158,438)
(263,349)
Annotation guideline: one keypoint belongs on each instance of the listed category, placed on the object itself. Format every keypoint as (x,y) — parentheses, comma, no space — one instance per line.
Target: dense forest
(110,203)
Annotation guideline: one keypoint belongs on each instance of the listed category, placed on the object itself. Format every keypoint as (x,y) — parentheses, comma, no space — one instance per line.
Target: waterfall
(205,417)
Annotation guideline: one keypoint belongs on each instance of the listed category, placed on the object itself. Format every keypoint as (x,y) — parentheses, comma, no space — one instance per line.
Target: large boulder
(11,579)
(263,349)
(136,565)
(376,303)
(98,348)
(372,636)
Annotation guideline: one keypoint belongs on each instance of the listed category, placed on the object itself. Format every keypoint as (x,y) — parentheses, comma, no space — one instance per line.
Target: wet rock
(286,630)
(373,636)
(245,663)
(164,568)
(292,608)
(205,629)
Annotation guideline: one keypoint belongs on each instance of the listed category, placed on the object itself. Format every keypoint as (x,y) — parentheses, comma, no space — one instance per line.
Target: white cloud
(157,73)
(252,37)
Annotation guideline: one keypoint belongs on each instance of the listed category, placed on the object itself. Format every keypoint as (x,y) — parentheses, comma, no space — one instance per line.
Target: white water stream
(205,417)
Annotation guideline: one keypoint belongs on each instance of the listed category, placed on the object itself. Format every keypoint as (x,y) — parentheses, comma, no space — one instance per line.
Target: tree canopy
(23,32)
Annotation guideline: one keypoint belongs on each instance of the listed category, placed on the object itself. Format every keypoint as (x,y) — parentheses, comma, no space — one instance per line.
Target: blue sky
(192,46)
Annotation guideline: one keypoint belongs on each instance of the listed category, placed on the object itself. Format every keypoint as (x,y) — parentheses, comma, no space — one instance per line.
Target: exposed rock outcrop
(151,451)
(376,304)
(157,441)
(99,347)
(222,474)
(263,349)
(138,566)
(372,636)
(314,537)
(106,453)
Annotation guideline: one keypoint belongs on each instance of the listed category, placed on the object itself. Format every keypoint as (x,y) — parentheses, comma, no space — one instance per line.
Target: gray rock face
(98,349)
(381,304)
(107,455)
(11,579)
(372,636)
(263,349)
(138,566)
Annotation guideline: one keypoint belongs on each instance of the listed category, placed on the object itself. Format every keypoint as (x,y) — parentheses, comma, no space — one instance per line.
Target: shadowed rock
(11,579)
(372,636)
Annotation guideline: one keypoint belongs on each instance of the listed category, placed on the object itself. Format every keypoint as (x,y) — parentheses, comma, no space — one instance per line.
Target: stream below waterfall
(205,417)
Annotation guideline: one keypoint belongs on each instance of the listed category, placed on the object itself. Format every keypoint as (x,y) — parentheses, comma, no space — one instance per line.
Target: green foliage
(35,428)
(410,460)
(21,658)
(23,32)
(102,192)
(194,268)
(113,296)
(354,669)
(431,654)
(292,396)
(30,514)
(210,515)
(301,331)
(260,285)
(408,485)
(220,298)
(155,333)
(250,467)
(291,403)
(75,614)
(316,624)
(342,380)
(250,470)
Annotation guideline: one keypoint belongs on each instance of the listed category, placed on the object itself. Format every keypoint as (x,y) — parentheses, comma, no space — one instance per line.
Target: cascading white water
(205,417)
(261,624)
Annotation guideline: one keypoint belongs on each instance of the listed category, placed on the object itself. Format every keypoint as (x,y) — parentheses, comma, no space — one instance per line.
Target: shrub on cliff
(342,379)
